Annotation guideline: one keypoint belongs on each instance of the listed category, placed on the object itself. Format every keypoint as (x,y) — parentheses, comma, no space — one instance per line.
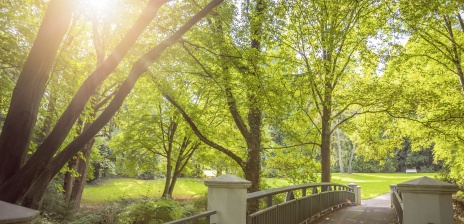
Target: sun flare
(99,7)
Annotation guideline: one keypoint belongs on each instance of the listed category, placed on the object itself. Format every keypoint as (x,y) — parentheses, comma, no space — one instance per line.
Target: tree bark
(325,146)
(29,90)
(167,182)
(82,169)
(69,179)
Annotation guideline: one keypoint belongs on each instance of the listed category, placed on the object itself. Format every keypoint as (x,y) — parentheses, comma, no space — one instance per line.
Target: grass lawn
(373,184)
(119,188)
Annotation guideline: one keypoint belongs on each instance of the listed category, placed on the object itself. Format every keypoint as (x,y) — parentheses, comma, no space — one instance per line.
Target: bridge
(423,200)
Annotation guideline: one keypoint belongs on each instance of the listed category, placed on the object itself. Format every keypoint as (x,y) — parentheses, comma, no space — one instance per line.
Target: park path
(372,211)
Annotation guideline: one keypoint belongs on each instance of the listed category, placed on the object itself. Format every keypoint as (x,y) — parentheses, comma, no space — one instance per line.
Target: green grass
(120,188)
(373,184)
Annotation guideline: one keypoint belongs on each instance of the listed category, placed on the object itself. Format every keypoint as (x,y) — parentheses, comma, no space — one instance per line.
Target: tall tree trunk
(253,165)
(82,168)
(339,146)
(27,94)
(325,146)
(167,182)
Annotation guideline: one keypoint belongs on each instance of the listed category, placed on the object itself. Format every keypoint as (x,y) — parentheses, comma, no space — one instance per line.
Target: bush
(54,208)
(150,212)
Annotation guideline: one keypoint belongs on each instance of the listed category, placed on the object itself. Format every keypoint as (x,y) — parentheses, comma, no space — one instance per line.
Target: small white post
(427,200)
(227,195)
(392,190)
(357,193)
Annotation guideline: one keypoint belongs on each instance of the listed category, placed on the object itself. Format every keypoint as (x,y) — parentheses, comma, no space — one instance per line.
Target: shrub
(54,208)
(150,212)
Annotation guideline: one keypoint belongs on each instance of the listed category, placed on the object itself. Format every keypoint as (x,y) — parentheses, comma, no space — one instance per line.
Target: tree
(237,63)
(154,128)
(16,179)
(331,54)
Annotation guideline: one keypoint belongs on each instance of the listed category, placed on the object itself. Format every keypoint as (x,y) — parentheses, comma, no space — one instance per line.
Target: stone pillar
(11,213)
(357,193)
(427,200)
(227,195)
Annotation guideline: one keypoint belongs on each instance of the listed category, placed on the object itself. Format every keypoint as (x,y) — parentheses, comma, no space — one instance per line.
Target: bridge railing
(228,199)
(397,201)
(195,218)
(301,202)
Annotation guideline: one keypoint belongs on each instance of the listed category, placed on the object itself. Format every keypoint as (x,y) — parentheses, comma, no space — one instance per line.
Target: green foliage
(150,212)
(297,165)
(55,208)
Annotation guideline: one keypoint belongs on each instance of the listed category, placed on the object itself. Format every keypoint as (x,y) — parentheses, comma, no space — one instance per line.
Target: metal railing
(194,218)
(294,209)
(397,202)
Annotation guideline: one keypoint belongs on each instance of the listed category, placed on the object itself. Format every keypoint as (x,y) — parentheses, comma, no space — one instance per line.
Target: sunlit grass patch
(373,184)
(123,188)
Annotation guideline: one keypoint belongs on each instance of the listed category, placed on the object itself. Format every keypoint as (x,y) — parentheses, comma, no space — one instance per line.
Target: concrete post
(357,193)
(392,190)
(227,195)
(427,200)
(11,213)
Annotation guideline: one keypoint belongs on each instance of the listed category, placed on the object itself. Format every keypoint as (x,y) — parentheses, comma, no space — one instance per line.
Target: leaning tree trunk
(31,179)
(25,101)
(14,187)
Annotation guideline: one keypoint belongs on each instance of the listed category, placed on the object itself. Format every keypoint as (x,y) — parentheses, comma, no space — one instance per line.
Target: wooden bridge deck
(372,211)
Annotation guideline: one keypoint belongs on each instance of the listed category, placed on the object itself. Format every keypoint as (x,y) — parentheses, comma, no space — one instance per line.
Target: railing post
(427,200)
(227,195)
(11,213)
(357,193)
(392,191)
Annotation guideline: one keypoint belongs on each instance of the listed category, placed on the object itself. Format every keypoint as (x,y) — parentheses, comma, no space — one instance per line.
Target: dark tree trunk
(253,165)
(325,146)
(22,113)
(167,182)
(82,168)
(69,179)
